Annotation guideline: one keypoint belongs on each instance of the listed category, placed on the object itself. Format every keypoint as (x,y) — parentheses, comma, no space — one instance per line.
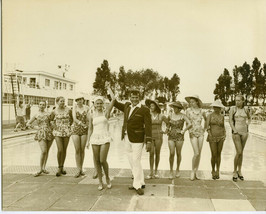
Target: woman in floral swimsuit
(196,133)
(44,135)
(80,132)
(175,132)
(62,117)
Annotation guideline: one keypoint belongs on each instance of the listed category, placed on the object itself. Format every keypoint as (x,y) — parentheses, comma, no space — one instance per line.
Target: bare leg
(240,160)
(213,146)
(179,145)
(96,153)
(158,145)
(77,145)
(238,146)
(49,144)
(151,159)
(103,160)
(82,148)
(171,145)
(219,151)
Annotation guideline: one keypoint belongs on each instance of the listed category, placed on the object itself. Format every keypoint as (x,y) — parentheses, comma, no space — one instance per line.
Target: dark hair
(242,97)
(135,92)
(197,101)
(42,102)
(58,98)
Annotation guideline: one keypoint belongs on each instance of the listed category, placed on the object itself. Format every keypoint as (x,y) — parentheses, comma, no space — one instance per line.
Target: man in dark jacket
(136,132)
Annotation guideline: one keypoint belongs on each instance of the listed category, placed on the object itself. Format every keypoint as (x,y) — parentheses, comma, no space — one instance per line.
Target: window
(7,98)
(60,85)
(51,101)
(64,86)
(24,80)
(70,102)
(47,82)
(55,84)
(32,82)
(71,87)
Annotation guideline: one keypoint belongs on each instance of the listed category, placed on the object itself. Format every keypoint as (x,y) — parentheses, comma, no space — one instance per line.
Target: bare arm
(90,130)
(208,124)
(188,124)
(31,120)
(231,122)
(109,109)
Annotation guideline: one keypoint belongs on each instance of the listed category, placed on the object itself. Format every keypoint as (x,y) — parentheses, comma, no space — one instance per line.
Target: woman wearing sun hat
(216,136)
(176,132)
(80,115)
(157,136)
(100,138)
(195,114)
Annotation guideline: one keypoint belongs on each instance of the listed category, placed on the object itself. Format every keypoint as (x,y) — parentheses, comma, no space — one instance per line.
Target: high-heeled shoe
(109,186)
(78,174)
(100,187)
(240,177)
(192,176)
(37,174)
(213,175)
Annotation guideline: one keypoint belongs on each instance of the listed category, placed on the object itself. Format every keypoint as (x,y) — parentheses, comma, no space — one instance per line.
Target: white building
(36,86)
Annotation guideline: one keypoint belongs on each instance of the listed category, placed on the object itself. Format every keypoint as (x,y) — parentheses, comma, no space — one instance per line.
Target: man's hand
(148,146)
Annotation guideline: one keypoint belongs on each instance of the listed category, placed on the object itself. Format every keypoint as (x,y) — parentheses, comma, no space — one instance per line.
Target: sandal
(100,187)
(78,174)
(63,172)
(217,175)
(240,177)
(177,175)
(59,172)
(149,177)
(45,171)
(213,175)
(82,173)
(156,176)
(37,174)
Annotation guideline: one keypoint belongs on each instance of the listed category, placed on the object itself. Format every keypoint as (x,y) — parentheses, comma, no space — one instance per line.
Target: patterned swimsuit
(176,127)
(62,124)
(45,131)
(80,129)
(157,129)
(195,118)
(217,120)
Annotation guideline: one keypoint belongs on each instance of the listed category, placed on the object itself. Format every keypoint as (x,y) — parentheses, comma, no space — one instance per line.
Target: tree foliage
(147,80)
(247,80)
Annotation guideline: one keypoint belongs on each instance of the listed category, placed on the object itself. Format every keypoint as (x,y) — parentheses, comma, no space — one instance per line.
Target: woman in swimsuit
(100,138)
(44,135)
(62,118)
(157,136)
(79,132)
(196,133)
(176,133)
(216,136)
(239,119)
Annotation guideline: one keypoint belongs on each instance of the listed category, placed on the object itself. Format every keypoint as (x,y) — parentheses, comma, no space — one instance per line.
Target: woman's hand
(88,145)
(182,132)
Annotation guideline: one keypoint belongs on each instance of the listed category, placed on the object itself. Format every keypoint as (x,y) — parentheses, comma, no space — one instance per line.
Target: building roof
(44,73)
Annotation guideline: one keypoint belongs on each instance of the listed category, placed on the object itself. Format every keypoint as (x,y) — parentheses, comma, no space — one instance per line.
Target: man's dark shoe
(132,188)
(140,191)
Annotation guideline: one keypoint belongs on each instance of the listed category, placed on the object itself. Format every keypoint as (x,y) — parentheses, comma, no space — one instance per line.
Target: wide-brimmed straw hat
(148,103)
(176,104)
(217,103)
(196,97)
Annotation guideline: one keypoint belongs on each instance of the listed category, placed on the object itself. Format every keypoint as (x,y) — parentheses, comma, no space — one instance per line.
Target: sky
(196,39)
